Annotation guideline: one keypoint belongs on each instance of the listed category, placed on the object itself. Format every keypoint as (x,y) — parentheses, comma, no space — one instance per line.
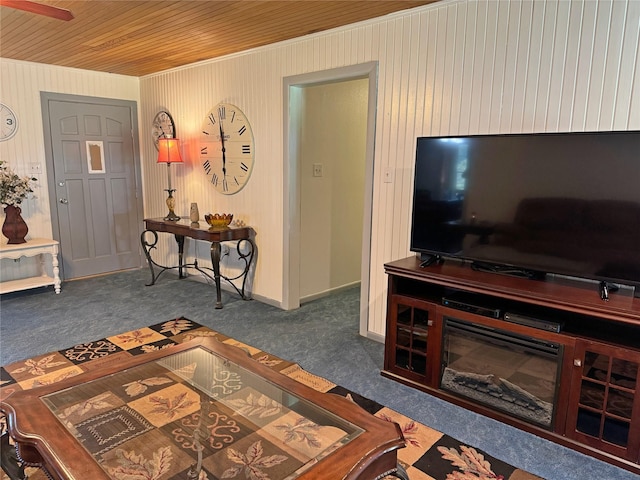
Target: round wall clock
(227,148)
(163,126)
(8,123)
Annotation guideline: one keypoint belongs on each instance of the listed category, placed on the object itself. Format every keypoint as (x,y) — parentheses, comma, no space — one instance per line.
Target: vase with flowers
(13,190)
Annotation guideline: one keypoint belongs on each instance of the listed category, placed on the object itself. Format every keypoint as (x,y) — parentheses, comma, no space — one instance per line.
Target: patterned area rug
(429,454)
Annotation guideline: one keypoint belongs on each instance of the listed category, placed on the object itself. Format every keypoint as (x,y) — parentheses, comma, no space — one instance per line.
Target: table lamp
(169,152)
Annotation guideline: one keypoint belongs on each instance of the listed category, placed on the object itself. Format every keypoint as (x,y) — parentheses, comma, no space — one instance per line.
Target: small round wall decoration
(8,123)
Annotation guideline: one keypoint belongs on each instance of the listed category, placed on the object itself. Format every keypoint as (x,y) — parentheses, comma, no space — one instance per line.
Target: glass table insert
(196,411)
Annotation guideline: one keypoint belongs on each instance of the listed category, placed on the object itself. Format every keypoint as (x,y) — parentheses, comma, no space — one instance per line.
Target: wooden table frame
(216,236)
(42,440)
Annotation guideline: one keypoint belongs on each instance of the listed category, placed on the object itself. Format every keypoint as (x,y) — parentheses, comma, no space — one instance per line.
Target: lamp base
(171,205)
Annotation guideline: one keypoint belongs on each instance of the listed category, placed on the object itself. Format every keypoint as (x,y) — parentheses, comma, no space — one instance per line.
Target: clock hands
(224,157)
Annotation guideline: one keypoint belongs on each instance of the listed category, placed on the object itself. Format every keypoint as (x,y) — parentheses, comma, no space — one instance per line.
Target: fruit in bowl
(219,220)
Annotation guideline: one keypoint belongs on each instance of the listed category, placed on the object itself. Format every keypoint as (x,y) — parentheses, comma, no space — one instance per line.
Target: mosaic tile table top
(116,425)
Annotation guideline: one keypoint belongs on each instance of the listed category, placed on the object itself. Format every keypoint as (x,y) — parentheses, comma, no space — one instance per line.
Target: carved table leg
(9,459)
(56,269)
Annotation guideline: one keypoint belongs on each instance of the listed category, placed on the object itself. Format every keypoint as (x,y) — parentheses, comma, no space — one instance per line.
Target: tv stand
(596,407)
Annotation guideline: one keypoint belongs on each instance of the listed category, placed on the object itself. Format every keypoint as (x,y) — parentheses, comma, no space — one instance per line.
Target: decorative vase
(14,226)
(194,213)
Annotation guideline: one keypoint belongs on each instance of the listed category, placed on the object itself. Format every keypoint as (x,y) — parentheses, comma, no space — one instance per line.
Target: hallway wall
(333,134)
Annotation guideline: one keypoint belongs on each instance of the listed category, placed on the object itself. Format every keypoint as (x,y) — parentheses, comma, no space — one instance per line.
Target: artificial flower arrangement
(13,188)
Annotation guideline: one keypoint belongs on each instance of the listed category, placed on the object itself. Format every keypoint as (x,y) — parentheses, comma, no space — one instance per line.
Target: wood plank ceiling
(143,37)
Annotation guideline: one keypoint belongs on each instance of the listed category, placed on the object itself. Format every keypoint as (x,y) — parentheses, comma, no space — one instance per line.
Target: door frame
(291,184)
(45,98)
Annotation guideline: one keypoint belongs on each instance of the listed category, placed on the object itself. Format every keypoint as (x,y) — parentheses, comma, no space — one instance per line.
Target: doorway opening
(329,151)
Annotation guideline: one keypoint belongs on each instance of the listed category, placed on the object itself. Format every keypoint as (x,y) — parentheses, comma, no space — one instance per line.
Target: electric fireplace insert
(512,373)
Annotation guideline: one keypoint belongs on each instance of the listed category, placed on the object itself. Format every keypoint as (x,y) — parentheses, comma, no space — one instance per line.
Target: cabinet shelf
(595,408)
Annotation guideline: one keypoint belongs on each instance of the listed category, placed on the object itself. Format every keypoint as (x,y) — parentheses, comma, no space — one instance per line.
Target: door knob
(64,201)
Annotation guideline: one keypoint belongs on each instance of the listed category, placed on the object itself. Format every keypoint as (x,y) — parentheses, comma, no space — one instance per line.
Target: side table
(33,247)
(184,228)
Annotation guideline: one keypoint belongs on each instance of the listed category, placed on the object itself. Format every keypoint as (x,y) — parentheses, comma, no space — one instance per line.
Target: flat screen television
(532,204)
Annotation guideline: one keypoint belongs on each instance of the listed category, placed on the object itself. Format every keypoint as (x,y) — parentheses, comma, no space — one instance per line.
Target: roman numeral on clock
(212,119)
(246,149)
(242,129)
(244,167)
(214,179)
(204,150)
(222,113)
(207,167)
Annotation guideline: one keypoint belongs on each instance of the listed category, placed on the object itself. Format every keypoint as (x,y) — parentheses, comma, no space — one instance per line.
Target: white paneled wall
(454,67)
(20,87)
(457,67)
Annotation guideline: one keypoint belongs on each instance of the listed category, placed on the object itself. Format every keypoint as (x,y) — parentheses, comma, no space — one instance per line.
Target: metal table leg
(215,263)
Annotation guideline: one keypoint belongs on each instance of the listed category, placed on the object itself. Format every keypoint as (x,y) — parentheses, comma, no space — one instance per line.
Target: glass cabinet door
(606,408)
(414,321)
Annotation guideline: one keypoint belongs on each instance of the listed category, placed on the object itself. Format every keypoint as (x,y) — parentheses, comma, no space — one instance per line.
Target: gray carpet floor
(322,336)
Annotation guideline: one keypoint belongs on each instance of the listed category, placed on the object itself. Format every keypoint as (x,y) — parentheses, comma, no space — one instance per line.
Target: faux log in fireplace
(568,372)
(512,373)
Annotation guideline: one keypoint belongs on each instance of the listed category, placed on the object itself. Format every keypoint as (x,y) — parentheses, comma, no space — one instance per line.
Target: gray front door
(94,201)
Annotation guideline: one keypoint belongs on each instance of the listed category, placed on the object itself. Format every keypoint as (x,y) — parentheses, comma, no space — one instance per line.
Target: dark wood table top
(199,231)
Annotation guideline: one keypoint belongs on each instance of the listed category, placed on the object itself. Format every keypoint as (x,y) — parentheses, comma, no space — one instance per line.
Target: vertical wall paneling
(20,87)
(628,99)
(454,67)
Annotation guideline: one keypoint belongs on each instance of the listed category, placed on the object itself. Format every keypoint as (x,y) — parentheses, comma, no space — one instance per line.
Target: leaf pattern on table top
(472,464)
(262,406)
(136,467)
(171,407)
(252,463)
(37,367)
(187,371)
(98,402)
(304,431)
(140,386)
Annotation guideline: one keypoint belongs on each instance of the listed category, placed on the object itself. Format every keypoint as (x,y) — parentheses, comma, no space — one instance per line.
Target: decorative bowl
(219,220)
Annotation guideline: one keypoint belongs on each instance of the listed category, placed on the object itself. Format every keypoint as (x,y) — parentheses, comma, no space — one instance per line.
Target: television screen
(564,203)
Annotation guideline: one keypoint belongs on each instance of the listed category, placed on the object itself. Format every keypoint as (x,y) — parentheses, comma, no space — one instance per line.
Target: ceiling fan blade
(39,8)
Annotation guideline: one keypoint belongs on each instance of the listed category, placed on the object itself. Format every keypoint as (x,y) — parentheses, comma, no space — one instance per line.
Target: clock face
(162,127)
(227,148)
(8,123)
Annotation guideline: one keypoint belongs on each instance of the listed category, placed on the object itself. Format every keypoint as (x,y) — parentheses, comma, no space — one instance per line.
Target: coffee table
(197,410)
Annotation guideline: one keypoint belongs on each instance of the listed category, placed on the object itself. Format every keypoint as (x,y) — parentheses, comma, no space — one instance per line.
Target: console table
(33,247)
(216,236)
